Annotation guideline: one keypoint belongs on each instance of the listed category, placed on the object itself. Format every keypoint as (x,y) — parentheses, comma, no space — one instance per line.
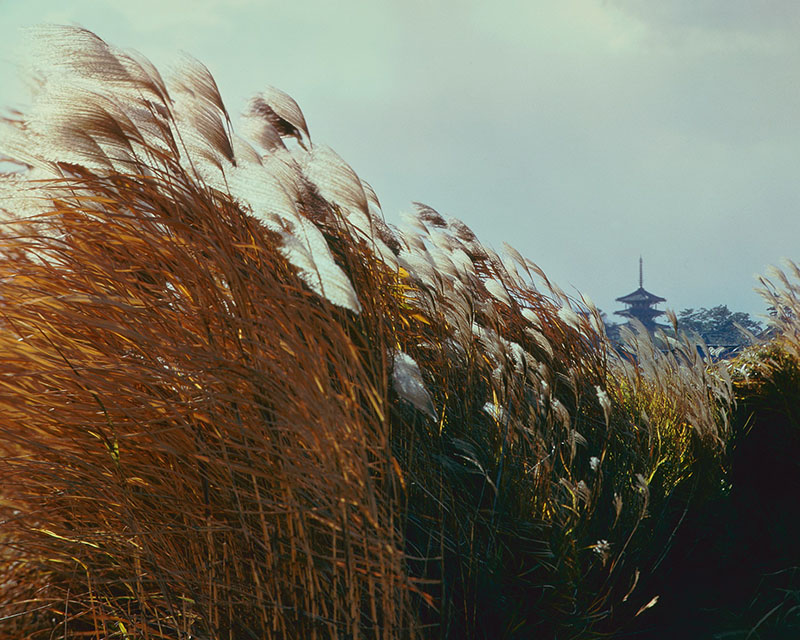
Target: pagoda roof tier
(641,296)
(644,314)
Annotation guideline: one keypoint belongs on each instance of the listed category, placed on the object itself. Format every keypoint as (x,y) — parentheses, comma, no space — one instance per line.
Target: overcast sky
(583,132)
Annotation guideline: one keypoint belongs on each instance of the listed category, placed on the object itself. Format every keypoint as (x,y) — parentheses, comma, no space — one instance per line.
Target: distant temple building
(641,305)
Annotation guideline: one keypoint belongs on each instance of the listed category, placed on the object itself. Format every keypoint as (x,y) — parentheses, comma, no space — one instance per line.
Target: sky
(585,133)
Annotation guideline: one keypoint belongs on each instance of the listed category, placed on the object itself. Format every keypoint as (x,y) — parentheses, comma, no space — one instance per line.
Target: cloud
(743,16)
(702,26)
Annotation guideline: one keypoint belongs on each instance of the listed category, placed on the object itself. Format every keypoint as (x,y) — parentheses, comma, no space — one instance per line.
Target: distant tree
(717,326)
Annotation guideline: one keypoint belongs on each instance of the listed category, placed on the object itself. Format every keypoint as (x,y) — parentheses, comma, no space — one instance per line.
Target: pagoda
(641,304)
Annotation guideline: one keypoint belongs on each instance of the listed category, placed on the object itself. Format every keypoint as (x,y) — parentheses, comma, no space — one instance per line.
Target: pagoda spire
(641,277)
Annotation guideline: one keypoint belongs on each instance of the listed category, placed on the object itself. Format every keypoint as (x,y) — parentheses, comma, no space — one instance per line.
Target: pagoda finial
(641,279)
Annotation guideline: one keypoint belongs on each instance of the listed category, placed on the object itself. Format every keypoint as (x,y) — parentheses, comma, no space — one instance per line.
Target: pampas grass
(236,403)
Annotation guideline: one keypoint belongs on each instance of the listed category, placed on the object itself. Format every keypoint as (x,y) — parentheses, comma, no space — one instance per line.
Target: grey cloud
(732,16)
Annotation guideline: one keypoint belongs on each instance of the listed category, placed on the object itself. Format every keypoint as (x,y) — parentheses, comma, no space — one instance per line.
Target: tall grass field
(235,403)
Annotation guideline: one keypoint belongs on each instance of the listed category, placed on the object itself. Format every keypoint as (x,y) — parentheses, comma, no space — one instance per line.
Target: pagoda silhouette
(641,305)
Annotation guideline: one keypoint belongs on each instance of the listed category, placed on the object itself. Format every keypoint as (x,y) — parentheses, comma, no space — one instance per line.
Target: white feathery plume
(458,311)
(413,241)
(517,257)
(384,253)
(22,195)
(419,266)
(463,263)
(489,342)
(605,402)
(386,233)
(596,322)
(337,183)
(442,240)
(281,164)
(442,262)
(468,239)
(73,52)
(305,247)
(71,124)
(541,340)
(560,412)
(497,291)
(407,382)
(265,196)
(256,127)
(191,76)
(269,191)
(281,111)
(532,317)
(511,272)
(569,317)
(461,230)
(429,216)
(202,129)
(373,203)
(487,308)
(144,74)
(412,223)
(17,143)
(495,412)
(61,55)
(521,358)
(244,152)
